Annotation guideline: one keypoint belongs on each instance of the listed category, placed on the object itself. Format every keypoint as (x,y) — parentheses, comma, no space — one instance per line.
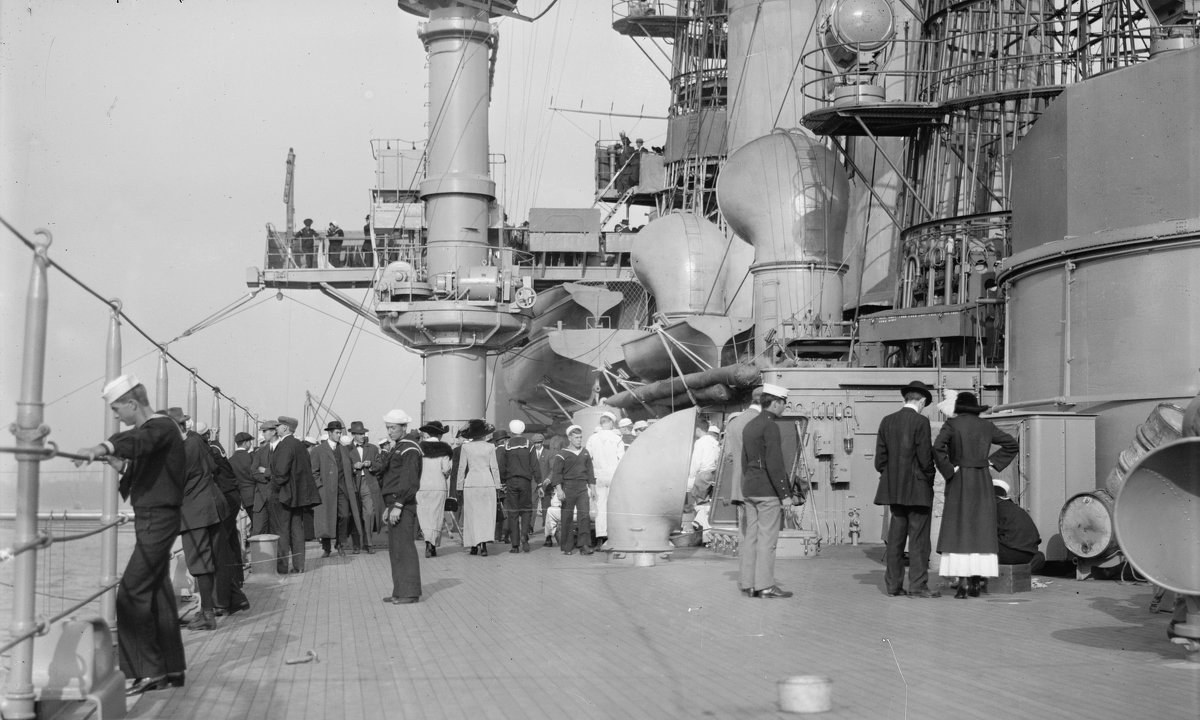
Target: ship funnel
(681,259)
(1155,516)
(645,503)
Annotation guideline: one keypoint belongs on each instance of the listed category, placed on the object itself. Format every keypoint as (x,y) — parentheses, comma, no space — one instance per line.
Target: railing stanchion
(160,382)
(18,699)
(108,500)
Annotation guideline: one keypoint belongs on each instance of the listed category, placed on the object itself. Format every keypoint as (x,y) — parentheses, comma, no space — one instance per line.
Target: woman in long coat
(967,541)
(435,484)
(478,478)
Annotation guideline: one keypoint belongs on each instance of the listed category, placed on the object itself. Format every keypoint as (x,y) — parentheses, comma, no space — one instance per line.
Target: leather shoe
(899,593)
(515,550)
(773,592)
(926,593)
(175,679)
(474,549)
(405,600)
(568,552)
(483,550)
(368,550)
(587,551)
(524,546)
(748,592)
(961,592)
(389,600)
(144,685)
(326,553)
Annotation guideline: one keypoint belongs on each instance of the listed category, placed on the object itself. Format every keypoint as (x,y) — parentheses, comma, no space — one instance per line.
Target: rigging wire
(115,306)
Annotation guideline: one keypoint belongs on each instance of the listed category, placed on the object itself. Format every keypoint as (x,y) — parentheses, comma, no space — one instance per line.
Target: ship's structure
(999,196)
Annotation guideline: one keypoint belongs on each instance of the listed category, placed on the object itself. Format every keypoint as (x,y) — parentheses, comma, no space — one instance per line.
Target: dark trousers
(149,639)
(406,568)
(288,524)
(518,505)
(575,504)
(260,520)
(343,518)
(229,576)
(911,523)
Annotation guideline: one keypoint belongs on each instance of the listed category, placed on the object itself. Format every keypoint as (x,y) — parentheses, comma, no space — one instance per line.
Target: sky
(150,138)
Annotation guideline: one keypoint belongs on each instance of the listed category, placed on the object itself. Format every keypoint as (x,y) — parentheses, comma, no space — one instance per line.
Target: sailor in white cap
(520,473)
(399,473)
(151,458)
(573,481)
(702,471)
(1016,532)
(606,448)
(766,491)
(625,430)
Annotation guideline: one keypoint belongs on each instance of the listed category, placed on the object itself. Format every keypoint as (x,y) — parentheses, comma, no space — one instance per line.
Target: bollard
(264,557)
(805,694)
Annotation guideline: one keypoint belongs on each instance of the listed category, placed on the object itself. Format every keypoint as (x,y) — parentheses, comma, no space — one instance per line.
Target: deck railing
(33,448)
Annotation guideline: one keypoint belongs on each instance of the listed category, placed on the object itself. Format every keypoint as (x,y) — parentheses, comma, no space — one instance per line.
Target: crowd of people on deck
(343,491)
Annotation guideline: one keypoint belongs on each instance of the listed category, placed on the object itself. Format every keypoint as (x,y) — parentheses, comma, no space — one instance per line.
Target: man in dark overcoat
(904,459)
(293,492)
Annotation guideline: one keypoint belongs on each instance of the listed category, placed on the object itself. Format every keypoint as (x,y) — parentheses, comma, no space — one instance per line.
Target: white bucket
(264,556)
(805,694)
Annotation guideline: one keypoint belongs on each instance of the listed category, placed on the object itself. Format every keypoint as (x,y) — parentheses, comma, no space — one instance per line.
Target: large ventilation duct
(680,258)
(1155,517)
(645,503)
(786,195)
(1156,526)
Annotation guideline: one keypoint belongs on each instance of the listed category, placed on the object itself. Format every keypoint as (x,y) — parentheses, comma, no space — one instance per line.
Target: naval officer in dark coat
(766,490)
(904,459)
(150,458)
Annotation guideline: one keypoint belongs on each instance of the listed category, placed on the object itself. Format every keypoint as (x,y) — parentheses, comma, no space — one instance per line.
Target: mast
(450,299)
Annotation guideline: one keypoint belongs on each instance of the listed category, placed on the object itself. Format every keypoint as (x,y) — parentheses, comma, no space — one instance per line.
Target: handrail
(45,539)
(46,453)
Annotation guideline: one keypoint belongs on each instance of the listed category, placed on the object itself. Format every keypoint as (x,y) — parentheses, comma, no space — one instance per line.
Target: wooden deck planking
(523,636)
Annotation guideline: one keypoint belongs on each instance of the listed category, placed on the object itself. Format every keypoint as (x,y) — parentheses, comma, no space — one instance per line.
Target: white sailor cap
(610,416)
(118,387)
(516,427)
(713,429)
(997,482)
(775,390)
(574,429)
(201,427)
(397,417)
(624,423)
(641,425)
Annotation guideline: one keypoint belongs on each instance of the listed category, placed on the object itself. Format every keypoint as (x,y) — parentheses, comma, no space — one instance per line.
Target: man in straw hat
(904,459)
(766,490)
(150,457)
(399,472)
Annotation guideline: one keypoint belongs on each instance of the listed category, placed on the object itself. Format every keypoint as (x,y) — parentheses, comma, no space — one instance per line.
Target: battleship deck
(545,635)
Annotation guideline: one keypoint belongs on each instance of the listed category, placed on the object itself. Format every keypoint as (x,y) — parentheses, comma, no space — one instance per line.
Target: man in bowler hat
(904,459)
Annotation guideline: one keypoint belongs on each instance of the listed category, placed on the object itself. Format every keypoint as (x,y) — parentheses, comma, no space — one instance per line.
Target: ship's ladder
(621,201)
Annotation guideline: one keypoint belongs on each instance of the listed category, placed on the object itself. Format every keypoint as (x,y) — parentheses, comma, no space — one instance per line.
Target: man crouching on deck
(150,458)
(399,473)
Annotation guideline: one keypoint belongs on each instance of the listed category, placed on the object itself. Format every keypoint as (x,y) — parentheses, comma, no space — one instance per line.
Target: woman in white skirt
(478,478)
(968,542)
(435,484)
